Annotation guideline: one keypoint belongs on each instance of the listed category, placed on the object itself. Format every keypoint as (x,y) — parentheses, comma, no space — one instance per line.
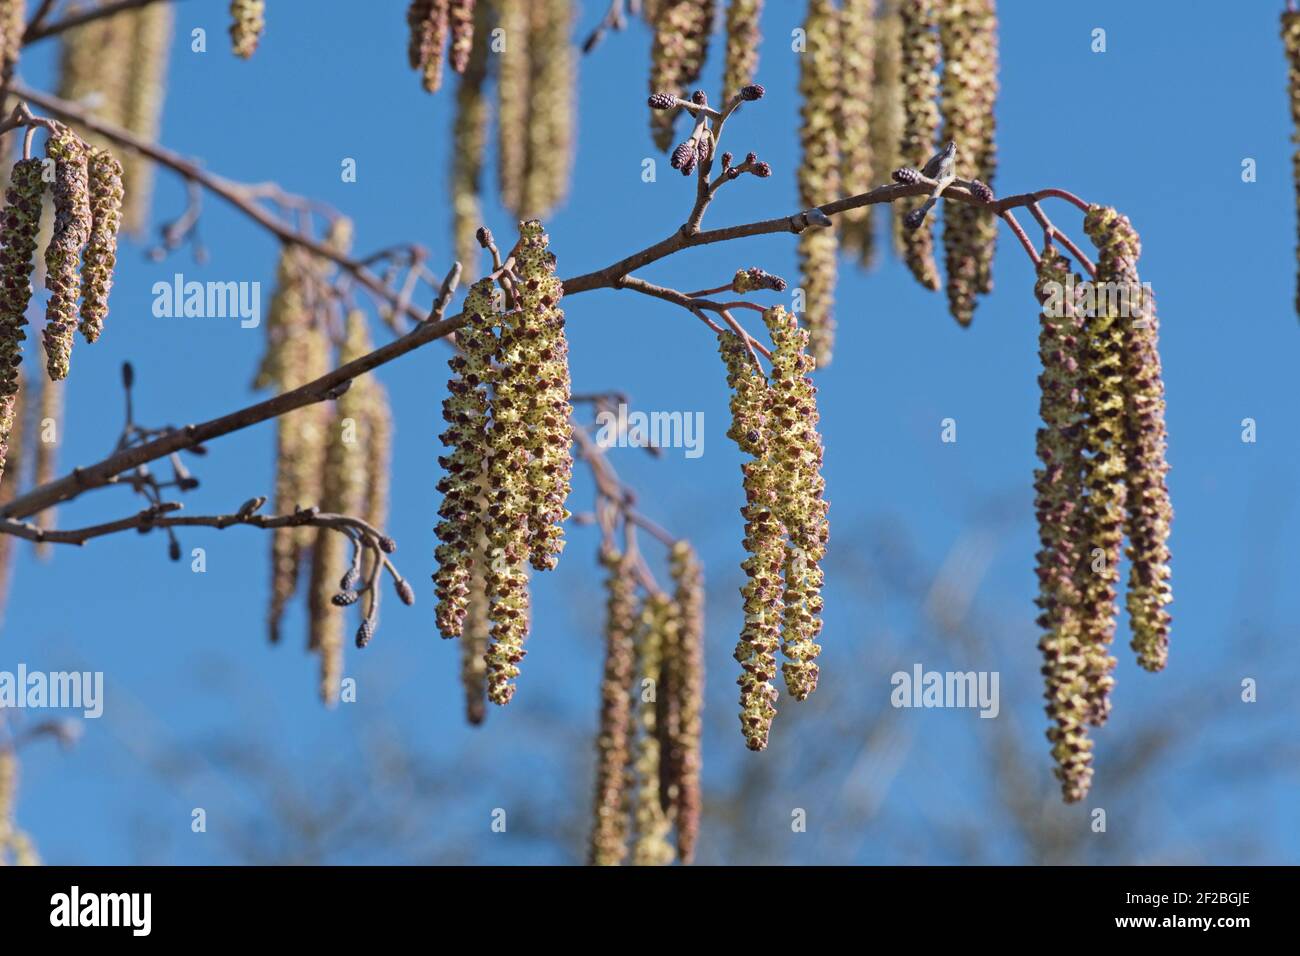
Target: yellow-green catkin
(1149,511)
(469,134)
(47,436)
(741,63)
(513,73)
(465,410)
(610,827)
(72,224)
(428,21)
(550,107)
(474,636)
(919,65)
(651,846)
(247,21)
(968,37)
(13,23)
(1058,490)
(819,170)
(751,410)
(857,85)
(795,451)
(18,228)
(686,685)
(100,256)
(544,352)
(15,846)
(1291,42)
(142,106)
(887,103)
(343,489)
(681,42)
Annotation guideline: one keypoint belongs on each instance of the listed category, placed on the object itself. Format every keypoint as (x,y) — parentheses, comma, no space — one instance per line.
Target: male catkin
(18,227)
(681,42)
(72,225)
(920,87)
(247,21)
(101,251)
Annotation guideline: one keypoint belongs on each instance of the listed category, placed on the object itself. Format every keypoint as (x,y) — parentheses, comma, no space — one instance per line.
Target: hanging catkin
(681,42)
(101,251)
(751,406)
(1148,509)
(16,460)
(686,666)
(94,65)
(512,103)
(795,450)
(550,107)
(610,827)
(18,228)
(146,88)
(72,224)
(474,636)
(919,63)
(1058,490)
(743,36)
(13,23)
(819,169)
(1291,41)
(887,104)
(15,845)
(857,39)
(428,21)
(469,133)
(651,846)
(247,21)
(968,36)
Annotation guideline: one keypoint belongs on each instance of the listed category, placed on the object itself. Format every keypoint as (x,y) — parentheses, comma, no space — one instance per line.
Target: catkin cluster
(247,21)
(72,228)
(19,225)
(919,63)
(681,43)
(743,36)
(857,107)
(968,37)
(819,172)
(1291,43)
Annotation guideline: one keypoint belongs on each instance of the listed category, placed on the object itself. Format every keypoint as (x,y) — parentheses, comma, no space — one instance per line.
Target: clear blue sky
(1158,126)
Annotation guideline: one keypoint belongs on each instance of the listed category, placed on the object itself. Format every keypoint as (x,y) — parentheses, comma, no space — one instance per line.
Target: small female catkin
(610,827)
(544,353)
(1291,42)
(795,450)
(428,21)
(72,223)
(18,227)
(743,38)
(687,687)
(513,68)
(1058,486)
(653,824)
(247,21)
(146,88)
(751,409)
(857,39)
(968,36)
(819,169)
(550,107)
(681,42)
(465,410)
(469,133)
(1149,511)
(920,86)
(101,251)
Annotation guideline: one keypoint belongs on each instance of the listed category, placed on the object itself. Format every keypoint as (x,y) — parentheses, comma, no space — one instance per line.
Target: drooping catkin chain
(428,21)
(681,43)
(968,36)
(743,37)
(795,451)
(469,133)
(544,352)
(751,409)
(857,39)
(819,169)
(18,229)
(686,666)
(653,824)
(146,88)
(610,827)
(550,107)
(474,636)
(72,227)
(247,21)
(1291,42)
(919,63)
(1058,489)
(101,251)
(343,491)
(1149,512)
(465,410)
(887,103)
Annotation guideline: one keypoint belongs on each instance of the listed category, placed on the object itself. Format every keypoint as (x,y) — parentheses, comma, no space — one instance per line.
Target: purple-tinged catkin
(857,43)
(681,42)
(1149,512)
(461,17)
(551,96)
(72,222)
(920,87)
(428,21)
(1058,486)
(686,685)
(743,37)
(100,256)
(247,21)
(611,824)
(19,224)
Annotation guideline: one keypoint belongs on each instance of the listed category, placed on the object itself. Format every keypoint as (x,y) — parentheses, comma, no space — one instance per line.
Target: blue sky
(1158,126)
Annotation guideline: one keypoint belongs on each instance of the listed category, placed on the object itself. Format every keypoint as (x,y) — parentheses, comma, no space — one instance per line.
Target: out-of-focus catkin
(72,225)
(686,667)
(819,169)
(146,88)
(46,436)
(461,15)
(19,225)
(247,21)
(513,78)
(1058,490)
(681,42)
(653,823)
(428,21)
(13,23)
(1291,42)
(469,133)
(610,826)
(550,107)
(968,36)
(857,39)
(887,103)
(919,63)
(100,256)
(14,463)
(741,63)
(1149,512)
(15,845)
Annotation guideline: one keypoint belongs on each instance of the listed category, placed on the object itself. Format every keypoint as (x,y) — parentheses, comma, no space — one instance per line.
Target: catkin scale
(19,224)
(247,21)
(681,42)
(919,62)
(72,226)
